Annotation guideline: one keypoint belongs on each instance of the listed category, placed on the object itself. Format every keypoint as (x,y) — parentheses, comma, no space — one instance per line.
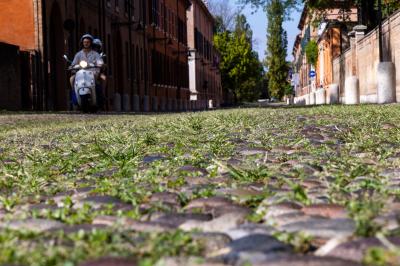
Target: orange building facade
(331,36)
(17,20)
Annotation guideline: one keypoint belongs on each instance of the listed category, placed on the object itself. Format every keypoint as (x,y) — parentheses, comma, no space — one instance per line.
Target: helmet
(87,36)
(97,43)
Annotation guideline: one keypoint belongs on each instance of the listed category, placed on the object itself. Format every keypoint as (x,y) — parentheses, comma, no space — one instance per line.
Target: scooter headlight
(83,64)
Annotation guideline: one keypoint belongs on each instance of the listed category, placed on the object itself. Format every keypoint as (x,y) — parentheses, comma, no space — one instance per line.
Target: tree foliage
(241,71)
(224,15)
(312,52)
(276,64)
(368,9)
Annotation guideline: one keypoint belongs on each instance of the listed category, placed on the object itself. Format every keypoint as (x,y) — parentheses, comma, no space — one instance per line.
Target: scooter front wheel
(85,103)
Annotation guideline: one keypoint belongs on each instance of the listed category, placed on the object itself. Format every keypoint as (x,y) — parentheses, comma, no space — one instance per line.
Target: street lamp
(380,31)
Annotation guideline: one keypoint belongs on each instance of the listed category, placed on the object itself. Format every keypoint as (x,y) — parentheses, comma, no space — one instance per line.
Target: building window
(126,6)
(155,12)
(117,5)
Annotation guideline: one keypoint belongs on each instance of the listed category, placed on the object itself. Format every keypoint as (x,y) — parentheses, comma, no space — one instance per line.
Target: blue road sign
(312,74)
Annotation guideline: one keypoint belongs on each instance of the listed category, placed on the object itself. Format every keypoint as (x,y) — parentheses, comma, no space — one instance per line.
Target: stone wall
(367,59)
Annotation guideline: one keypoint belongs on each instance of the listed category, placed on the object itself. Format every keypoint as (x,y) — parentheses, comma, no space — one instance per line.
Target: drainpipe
(76,26)
(146,74)
(45,57)
(386,74)
(380,30)
(131,64)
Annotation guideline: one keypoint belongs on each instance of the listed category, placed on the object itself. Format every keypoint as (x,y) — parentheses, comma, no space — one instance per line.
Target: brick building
(145,42)
(204,76)
(17,51)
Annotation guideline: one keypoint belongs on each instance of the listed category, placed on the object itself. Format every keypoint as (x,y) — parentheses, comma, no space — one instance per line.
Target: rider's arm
(76,59)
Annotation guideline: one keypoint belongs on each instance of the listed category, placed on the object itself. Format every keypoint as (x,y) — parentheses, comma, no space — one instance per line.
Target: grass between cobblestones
(132,157)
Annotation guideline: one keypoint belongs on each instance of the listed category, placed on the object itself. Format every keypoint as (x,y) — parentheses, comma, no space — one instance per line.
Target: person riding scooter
(86,54)
(98,47)
(85,72)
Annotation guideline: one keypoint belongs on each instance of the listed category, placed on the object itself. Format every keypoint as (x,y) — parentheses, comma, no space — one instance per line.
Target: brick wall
(16,18)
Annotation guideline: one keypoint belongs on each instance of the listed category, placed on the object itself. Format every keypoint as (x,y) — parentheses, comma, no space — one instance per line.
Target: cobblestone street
(275,186)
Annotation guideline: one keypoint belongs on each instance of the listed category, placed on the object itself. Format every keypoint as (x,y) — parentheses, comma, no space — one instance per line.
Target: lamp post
(380,30)
(386,76)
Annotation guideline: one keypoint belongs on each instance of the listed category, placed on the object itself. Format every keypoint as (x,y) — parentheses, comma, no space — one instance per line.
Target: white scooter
(85,83)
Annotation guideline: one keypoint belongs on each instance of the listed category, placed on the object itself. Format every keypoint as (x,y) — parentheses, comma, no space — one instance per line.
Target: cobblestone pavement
(312,186)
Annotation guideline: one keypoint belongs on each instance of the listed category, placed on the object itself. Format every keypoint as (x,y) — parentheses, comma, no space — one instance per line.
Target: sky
(258,23)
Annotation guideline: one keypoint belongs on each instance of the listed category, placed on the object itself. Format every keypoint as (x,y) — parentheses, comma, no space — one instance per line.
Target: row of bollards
(385,90)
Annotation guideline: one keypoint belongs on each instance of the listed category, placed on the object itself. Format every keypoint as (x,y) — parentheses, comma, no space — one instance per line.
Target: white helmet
(87,36)
(98,43)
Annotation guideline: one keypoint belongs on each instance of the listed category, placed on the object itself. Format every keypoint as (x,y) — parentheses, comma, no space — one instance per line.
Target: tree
(224,15)
(312,52)
(367,9)
(241,71)
(275,61)
(242,27)
(287,5)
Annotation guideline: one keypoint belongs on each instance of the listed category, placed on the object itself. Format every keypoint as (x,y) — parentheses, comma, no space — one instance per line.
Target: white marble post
(386,79)
(117,102)
(126,102)
(334,93)
(352,90)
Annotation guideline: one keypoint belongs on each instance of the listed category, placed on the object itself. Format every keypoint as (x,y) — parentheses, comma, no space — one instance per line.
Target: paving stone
(309,183)
(212,202)
(193,170)
(106,173)
(307,169)
(165,198)
(282,208)
(239,249)
(391,173)
(87,228)
(298,260)
(318,199)
(75,194)
(322,228)
(220,224)
(252,151)
(130,224)
(110,262)
(98,202)
(241,193)
(283,149)
(184,261)
(197,180)
(33,224)
(41,208)
(153,158)
(176,219)
(279,197)
(300,118)
(247,229)
(388,221)
(211,241)
(234,162)
(326,210)
(287,218)
(356,249)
